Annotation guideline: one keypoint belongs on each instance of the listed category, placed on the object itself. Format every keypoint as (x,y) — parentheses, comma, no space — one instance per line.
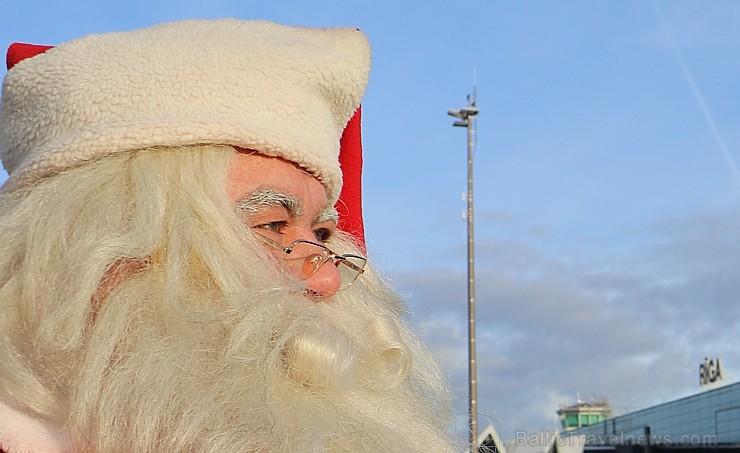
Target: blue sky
(607,192)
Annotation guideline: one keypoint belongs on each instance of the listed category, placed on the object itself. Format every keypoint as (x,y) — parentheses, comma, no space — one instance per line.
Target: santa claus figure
(182,264)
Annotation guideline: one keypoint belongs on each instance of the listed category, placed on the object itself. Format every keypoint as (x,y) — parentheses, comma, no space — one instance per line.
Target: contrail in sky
(698,96)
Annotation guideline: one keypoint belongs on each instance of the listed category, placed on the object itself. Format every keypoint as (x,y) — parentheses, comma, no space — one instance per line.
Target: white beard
(278,373)
(199,347)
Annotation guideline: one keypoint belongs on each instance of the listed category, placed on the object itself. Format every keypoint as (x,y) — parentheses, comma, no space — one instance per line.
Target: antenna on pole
(475,82)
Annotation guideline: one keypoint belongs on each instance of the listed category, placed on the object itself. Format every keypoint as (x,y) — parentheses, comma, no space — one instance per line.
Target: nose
(325,282)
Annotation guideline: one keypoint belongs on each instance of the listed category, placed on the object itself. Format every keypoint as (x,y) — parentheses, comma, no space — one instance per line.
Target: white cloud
(633,329)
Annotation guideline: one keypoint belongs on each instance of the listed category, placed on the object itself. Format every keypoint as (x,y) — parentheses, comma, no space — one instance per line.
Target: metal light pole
(466,118)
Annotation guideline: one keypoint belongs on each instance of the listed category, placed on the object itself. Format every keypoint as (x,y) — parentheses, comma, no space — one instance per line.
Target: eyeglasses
(304,258)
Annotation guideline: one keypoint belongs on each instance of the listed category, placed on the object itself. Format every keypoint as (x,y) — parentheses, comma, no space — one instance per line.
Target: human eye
(276,227)
(269,221)
(323,234)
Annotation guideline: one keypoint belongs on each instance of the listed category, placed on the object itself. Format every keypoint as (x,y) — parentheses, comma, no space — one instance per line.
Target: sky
(607,190)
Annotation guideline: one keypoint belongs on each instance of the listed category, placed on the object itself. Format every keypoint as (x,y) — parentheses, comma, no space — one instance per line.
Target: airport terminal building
(705,422)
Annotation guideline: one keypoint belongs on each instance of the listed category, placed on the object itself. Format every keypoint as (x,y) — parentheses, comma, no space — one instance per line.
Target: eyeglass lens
(306,258)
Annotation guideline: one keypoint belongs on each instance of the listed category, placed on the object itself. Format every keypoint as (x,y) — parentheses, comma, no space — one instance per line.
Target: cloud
(633,328)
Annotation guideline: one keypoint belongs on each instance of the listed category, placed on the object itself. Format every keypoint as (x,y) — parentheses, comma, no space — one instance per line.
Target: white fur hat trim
(283,91)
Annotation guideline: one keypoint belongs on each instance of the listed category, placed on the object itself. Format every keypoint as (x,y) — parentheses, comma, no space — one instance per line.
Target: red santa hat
(292,92)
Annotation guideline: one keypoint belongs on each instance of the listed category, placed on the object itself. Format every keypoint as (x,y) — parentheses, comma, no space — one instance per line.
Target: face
(283,203)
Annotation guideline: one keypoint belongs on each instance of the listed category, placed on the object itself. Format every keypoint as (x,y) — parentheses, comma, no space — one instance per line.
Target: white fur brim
(284,91)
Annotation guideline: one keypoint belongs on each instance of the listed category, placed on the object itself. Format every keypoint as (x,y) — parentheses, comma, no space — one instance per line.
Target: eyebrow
(263,198)
(328,214)
(268,198)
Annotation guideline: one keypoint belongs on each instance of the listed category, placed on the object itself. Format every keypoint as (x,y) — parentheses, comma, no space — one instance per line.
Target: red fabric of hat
(19,51)
(349,205)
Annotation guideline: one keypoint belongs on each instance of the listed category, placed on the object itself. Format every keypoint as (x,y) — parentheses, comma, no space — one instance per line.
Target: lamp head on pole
(463,114)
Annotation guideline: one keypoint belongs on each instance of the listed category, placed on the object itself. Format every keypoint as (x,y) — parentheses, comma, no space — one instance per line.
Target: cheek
(275,256)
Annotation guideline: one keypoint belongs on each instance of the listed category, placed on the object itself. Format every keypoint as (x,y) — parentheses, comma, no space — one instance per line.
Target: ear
(18,52)
(349,205)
